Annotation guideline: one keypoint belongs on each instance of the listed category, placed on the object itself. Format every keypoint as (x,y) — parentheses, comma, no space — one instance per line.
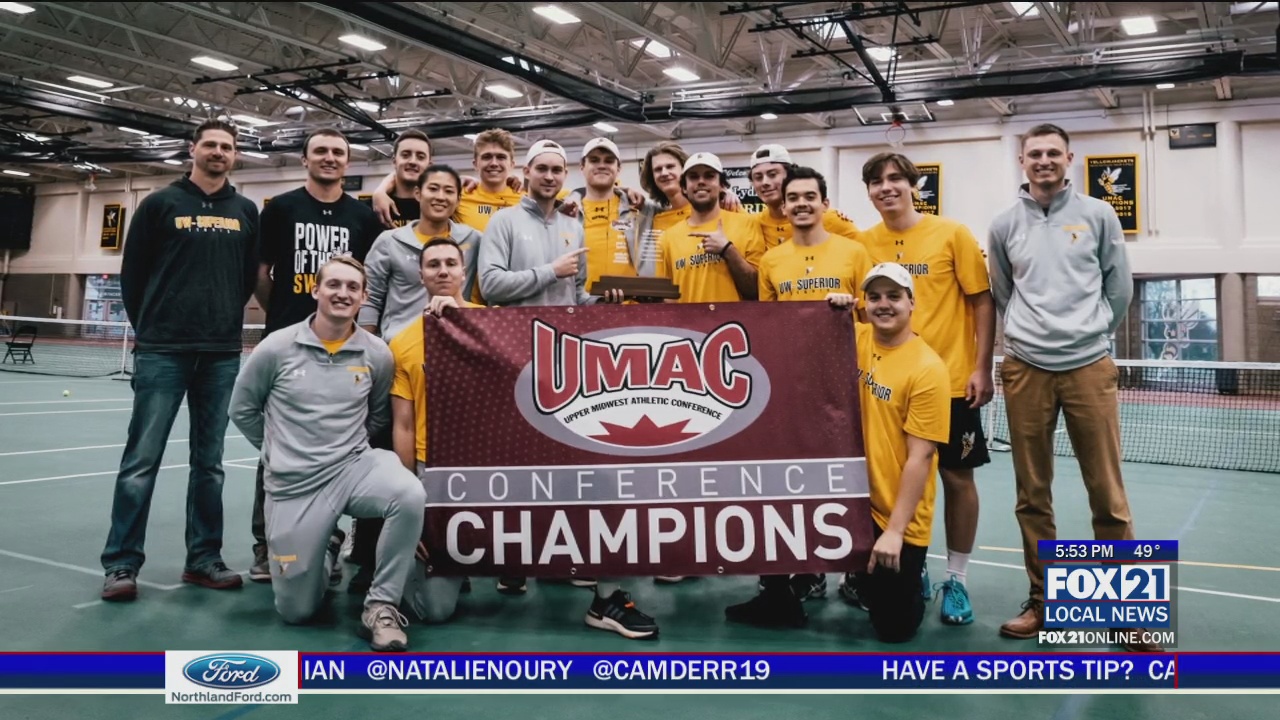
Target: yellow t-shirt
(903,390)
(476,207)
(946,264)
(410,379)
(704,277)
(607,251)
(333,346)
(778,231)
(791,272)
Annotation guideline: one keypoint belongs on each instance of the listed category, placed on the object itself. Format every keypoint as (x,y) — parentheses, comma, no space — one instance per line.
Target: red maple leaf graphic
(645,433)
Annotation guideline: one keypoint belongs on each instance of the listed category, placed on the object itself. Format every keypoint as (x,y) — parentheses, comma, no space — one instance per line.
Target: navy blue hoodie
(190,264)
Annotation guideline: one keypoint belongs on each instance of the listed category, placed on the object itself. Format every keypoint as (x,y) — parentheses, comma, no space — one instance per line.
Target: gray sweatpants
(431,598)
(374,485)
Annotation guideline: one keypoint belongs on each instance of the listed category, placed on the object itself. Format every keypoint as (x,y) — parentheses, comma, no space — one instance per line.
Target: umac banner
(644,439)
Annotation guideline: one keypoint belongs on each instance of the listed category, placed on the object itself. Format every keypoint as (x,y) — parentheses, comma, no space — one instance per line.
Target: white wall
(1203,211)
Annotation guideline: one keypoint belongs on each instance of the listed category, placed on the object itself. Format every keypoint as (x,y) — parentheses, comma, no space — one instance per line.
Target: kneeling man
(309,397)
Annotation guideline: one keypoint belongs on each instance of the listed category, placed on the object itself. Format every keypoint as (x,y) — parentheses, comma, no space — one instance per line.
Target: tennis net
(76,348)
(1217,415)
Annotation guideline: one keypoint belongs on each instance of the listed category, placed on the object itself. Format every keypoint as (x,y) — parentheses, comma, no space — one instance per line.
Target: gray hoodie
(396,293)
(516,254)
(637,221)
(311,413)
(1060,278)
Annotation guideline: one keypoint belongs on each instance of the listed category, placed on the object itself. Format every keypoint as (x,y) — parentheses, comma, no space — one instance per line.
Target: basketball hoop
(895,134)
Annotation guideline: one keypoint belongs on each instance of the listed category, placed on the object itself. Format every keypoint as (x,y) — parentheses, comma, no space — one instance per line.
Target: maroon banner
(664,439)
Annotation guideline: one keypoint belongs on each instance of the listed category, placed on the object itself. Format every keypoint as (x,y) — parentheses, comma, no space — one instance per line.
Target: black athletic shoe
(773,607)
(512,585)
(362,581)
(849,591)
(617,613)
(334,556)
(809,586)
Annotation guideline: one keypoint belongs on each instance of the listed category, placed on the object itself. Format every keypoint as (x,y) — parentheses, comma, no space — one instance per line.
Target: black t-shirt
(410,210)
(299,234)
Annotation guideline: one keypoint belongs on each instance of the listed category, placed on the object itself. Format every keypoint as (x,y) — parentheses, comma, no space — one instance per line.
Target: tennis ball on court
(66,393)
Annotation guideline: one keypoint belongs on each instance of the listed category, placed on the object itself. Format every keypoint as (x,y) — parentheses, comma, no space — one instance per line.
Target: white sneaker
(668,579)
(348,544)
(380,625)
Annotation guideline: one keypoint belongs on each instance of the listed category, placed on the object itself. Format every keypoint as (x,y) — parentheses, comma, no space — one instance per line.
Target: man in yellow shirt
(713,255)
(904,393)
(430,598)
(769,171)
(956,317)
(609,218)
(812,267)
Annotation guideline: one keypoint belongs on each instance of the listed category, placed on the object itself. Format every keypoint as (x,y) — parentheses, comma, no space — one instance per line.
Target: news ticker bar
(1117,551)
(444,672)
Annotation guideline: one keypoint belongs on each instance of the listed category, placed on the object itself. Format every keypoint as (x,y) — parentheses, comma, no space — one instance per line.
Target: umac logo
(231,671)
(642,390)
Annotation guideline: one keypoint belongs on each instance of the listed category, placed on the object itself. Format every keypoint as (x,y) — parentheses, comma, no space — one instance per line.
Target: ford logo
(228,671)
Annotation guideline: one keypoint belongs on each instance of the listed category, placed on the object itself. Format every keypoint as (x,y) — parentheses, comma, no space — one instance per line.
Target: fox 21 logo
(1119,583)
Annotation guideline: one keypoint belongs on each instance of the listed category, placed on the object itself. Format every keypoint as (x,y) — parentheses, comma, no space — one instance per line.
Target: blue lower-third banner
(570,671)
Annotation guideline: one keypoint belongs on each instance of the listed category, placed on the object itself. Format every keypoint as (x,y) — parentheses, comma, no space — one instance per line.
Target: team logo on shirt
(642,391)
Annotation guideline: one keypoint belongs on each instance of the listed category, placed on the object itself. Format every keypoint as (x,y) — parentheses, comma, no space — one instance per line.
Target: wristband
(725,249)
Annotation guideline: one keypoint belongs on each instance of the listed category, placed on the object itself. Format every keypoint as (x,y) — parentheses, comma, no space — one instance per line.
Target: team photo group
(334,395)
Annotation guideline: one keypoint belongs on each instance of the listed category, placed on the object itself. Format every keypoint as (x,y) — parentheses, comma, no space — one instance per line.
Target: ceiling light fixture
(253,154)
(1165,86)
(16,8)
(362,42)
(367,106)
(135,132)
(882,54)
(171,161)
(91,82)
(213,63)
(556,14)
(471,136)
(505,91)
(1144,25)
(357,146)
(768,116)
(251,120)
(681,74)
(945,103)
(19,173)
(605,127)
(654,48)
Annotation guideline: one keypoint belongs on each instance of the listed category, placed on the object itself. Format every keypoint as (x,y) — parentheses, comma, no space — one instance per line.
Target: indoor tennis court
(60,459)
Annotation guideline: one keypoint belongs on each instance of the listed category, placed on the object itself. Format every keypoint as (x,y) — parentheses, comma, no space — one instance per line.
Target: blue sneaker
(926,589)
(956,609)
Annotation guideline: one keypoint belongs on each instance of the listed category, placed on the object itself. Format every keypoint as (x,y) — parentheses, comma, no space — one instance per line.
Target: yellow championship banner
(927,194)
(112,226)
(1114,180)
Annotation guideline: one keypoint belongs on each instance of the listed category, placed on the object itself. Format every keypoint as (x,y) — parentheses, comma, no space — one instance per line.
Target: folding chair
(19,348)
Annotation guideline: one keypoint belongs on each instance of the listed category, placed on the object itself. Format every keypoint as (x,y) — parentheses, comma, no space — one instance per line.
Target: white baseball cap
(600,142)
(894,272)
(545,146)
(703,158)
(771,154)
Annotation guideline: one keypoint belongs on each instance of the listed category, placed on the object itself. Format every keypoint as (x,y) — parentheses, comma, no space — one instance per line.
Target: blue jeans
(160,381)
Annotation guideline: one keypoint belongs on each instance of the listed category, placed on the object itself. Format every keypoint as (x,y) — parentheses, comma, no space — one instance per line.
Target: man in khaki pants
(1060,277)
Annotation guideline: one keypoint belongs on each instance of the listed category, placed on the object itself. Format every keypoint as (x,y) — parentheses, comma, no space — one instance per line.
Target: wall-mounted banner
(927,195)
(1114,179)
(112,226)
(739,179)
(645,440)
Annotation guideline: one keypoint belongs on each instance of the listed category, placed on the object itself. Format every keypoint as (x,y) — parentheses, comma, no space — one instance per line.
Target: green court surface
(58,459)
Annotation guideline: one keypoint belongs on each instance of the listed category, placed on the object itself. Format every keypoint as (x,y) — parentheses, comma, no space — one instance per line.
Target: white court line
(114,472)
(62,380)
(66,412)
(242,467)
(64,401)
(91,603)
(77,568)
(93,447)
(24,587)
(1220,593)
